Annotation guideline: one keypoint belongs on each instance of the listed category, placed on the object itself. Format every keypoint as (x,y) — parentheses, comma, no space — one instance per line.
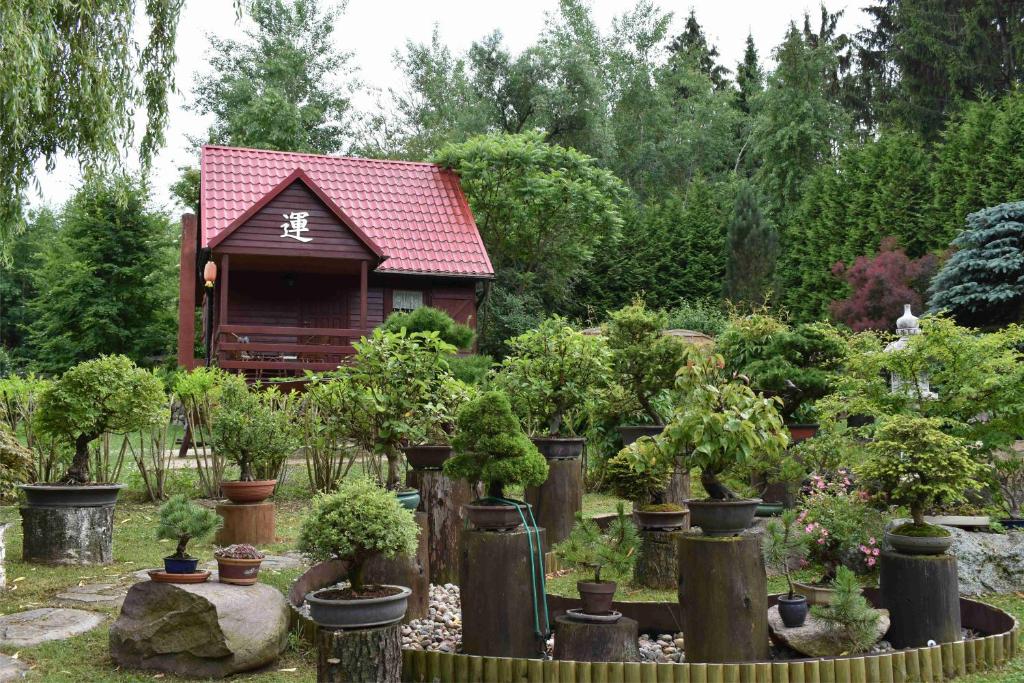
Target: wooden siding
(261,234)
(458,302)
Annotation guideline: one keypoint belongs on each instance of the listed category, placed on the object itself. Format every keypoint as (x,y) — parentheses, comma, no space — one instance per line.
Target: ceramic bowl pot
(630,433)
(409,498)
(674,519)
(596,596)
(919,545)
(362,613)
(559,449)
(793,611)
(723,517)
(427,457)
(494,517)
(240,572)
(178,565)
(52,495)
(248,491)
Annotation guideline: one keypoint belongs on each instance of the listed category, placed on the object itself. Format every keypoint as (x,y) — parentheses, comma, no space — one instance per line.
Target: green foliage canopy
(253,429)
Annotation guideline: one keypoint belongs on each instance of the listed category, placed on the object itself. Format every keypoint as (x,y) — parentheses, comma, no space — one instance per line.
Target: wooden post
(442,499)
(363,268)
(225,262)
(556,501)
(723,590)
(251,523)
(582,641)
(657,564)
(921,593)
(187,293)
(413,572)
(359,655)
(497,601)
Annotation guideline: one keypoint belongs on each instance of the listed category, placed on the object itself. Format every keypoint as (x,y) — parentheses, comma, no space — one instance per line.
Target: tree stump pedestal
(410,571)
(922,595)
(359,655)
(442,498)
(251,523)
(556,501)
(657,562)
(581,641)
(68,535)
(497,588)
(723,591)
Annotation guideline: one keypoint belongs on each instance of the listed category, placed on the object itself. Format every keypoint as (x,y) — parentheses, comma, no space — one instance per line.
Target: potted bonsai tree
(490,447)
(783,543)
(1009,471)
(912,462)
(106,395)
(725,425)
(430,440)
(239,564)
(588,547)
(360,521)
(640,473)
(549,376)
(254,434)
(182,520)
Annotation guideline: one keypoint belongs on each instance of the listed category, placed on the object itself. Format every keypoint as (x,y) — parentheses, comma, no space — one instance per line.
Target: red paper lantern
(210,273)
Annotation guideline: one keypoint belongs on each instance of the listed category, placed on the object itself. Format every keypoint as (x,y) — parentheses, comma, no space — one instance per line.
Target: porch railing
(281,350)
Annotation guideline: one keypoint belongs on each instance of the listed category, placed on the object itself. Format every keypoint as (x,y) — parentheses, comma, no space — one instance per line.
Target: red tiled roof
(415,212)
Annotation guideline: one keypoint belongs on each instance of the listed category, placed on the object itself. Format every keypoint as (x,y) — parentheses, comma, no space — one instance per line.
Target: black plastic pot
(597,596)
(427,457)
(630,433)
(55,496)
(793,611)
(559,448)
(723,517)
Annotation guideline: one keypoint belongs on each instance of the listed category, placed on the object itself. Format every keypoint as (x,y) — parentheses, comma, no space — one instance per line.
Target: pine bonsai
(850,620)
(784,542)
(589,547)
(358,522)
(490,447)
(182,520)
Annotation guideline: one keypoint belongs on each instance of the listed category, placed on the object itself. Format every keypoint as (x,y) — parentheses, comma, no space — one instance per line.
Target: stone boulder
(206,630)
(814,638)
(988,563)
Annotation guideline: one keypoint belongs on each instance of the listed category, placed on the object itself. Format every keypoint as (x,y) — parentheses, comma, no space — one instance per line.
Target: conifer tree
(693,45)
(749,76)
(752,245)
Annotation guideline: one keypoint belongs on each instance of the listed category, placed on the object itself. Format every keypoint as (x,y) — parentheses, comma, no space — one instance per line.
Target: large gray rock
(25,629)
(988,563)
(814,638)
(12,669)
(207,630)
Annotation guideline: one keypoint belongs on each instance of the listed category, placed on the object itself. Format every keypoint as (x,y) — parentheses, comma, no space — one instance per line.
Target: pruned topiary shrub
(427,319)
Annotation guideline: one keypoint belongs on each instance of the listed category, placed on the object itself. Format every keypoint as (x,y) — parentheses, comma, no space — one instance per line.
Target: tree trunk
(580,641)
(657,564)
(678,490)
(921,593)
(442,499)
(359,655)
(410,571)
(723,590)
(78,473)
(556,501)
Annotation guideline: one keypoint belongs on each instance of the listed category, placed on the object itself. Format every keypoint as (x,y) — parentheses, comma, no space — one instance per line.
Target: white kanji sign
(295,226)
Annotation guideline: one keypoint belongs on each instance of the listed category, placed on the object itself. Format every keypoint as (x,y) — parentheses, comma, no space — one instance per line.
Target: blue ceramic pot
(175,565)
(410,498)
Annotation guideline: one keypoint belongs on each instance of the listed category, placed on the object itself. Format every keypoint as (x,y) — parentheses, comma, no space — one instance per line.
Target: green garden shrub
(427,319)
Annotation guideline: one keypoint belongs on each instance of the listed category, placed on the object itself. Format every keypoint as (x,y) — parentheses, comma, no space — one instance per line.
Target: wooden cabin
(312,252)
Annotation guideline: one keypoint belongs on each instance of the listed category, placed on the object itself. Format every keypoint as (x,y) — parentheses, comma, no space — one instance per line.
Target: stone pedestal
(68,535)
(657,562)
(556,501)
(922,596)
(413,572)
(497,601)
(359,655)
(580,641)
(723,591)
(442,498)
(251,523)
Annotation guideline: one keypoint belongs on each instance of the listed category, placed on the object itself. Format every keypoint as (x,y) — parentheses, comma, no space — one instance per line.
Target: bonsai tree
(358,522)
(643,359)
(590,548)
(427,319)
(435,421)
(784,542)
(640,473)
(550,375)
(725,425)
(182,520)
(490,447)
(850,620)
(251,431)
(1009,471)
(912,462)
(107,395)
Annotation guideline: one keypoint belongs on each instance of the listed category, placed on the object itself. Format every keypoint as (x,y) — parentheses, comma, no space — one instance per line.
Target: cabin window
(406,300)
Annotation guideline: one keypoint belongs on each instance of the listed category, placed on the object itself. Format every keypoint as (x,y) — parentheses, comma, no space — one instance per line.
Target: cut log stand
(359,655)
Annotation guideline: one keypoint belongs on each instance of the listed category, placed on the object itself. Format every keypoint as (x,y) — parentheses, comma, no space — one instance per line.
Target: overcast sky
(374,29)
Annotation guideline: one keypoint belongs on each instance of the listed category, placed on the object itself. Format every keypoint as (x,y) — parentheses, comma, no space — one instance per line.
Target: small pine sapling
(590,548)
(182,520)
(850,620)
(783,543)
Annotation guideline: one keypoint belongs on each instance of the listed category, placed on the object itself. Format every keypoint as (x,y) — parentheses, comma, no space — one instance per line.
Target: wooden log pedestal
(442,498)
(921,593)
(723,591)
(657,562)
(497,600)
(410,571)
(581,641)
(68,535)
(251,523)
(359,655)
(556,501)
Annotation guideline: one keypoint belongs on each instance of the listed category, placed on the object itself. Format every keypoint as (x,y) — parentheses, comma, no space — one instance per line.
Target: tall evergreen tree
(693,45)
(17,284)
(749,76)
(752,245)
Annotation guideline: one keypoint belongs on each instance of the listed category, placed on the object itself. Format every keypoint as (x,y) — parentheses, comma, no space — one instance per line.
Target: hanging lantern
(210,273)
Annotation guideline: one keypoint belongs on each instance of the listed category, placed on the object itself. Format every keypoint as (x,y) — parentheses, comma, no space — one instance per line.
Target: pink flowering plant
(843,529)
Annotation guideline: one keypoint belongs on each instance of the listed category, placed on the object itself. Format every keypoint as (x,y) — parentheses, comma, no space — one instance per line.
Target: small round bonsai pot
(84,496)
(495,517)
(793,611)
(630,433)
(559,448)
(427,457)
(918,545)
(329,610)
(181,565)
(661,520)
(409,498)
(596,596)
(801,432)
(723,517)
(239,572)
(248,491)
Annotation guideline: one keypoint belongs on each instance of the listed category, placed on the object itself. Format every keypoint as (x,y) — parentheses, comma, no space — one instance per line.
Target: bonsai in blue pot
(182,520)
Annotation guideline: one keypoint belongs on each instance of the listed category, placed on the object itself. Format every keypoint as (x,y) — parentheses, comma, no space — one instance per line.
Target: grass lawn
(85,658)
